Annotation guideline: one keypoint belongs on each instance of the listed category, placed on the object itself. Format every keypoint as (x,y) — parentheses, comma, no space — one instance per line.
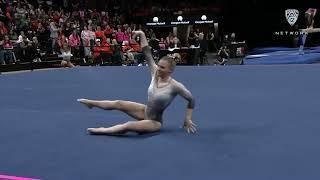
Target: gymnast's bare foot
(85,102)
(95,130)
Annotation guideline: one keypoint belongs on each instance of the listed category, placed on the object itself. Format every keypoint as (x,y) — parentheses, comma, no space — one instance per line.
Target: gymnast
(161,92)
(66,55)
(309,17)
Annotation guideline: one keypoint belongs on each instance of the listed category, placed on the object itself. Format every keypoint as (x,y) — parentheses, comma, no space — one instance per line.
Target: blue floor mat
(283,55)
(254,122)
(274,49)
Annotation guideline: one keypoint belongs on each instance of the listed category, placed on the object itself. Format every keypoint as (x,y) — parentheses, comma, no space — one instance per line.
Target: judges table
(189,56)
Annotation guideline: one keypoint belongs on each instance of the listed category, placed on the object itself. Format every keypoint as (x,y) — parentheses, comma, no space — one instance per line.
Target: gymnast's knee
(128,126)
(118,104)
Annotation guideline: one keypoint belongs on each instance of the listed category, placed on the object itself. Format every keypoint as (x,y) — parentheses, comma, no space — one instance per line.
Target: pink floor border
(5,177)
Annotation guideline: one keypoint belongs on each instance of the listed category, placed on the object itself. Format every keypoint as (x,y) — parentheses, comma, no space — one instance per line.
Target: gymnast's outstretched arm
(188,125)
(147,51)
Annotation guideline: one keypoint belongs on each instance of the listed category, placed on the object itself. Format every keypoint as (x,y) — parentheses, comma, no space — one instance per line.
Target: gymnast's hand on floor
(189,126)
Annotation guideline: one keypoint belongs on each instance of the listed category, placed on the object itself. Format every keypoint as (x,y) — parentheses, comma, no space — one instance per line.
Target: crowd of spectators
(30,29)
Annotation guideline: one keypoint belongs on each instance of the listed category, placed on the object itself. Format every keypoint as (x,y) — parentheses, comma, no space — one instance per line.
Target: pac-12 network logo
(292,16)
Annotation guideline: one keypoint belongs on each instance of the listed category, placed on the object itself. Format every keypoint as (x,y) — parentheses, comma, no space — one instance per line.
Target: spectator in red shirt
(108,32)
(101,52)
(100,34)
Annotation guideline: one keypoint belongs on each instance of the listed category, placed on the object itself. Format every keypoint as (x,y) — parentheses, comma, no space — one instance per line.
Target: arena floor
(254,122)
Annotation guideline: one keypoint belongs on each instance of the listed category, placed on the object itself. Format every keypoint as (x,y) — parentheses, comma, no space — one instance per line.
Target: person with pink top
(74,42)
(119,36)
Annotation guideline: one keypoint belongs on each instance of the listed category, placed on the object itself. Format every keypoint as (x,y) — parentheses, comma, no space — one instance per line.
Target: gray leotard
(160,97)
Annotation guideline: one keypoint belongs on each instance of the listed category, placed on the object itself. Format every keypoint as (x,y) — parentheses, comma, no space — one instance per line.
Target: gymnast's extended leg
(133,109)
(143,126)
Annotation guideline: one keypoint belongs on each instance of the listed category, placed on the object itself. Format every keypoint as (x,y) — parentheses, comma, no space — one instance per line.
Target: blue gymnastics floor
(254,122)
(282,55)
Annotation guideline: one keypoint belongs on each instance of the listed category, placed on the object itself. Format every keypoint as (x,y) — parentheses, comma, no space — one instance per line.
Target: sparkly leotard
(159,98)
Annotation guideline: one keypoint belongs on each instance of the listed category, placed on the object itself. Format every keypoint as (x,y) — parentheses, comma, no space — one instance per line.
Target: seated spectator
(6,52)
(136,52)
(108,32)
(169,39)
(100,34)
(128,58)
(24,50)
(162,44)
(35,50)
(107,47)
(119,35)
(223,55)
(20,37)
(125,46)
(101,52)
(175,43)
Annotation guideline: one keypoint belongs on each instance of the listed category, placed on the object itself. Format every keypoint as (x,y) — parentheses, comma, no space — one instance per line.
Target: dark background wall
(252,20)
(256,21)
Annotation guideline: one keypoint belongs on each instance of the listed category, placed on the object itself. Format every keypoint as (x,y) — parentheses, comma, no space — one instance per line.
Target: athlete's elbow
(191,103)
